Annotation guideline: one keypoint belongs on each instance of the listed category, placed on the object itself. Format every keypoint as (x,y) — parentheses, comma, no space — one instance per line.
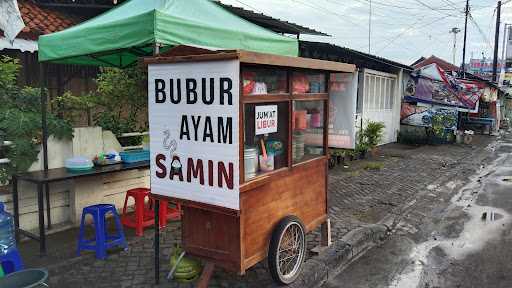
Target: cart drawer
(212,235)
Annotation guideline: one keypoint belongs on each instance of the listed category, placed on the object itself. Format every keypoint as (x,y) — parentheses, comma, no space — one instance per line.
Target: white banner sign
(266,119)
(193,127)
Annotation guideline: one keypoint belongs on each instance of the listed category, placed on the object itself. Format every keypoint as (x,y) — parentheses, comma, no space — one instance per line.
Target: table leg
(48,218)
(40,208)
(157,241)
(16,208)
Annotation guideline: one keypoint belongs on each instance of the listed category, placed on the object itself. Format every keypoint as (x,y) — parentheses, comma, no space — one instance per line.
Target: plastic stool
(11,262)
(166,213)
(142,216)
(103,240)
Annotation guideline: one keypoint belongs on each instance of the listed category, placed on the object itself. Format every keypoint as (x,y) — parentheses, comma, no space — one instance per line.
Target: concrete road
(455,235)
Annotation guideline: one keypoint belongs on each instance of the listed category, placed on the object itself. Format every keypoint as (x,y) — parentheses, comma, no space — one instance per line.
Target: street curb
(331,261)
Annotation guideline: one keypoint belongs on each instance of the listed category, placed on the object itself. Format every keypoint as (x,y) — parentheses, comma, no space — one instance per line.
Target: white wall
(381,101)
(68,198)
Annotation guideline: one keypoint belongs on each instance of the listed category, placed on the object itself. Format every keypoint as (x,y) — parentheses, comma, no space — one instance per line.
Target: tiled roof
(39,20)
(447,66)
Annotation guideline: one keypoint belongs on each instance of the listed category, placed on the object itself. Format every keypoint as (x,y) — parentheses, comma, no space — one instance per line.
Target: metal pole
(44,121)
(503,47)
(156,51)
(157,241)
(454,46)
(496,39)
(370,29)
(503,53)
(454,30)
(465,38)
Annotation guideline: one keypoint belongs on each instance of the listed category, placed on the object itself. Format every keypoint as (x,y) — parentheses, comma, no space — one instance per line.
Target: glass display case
(282,127)
(308,130)
(266,138)
(308,82)
(262,81)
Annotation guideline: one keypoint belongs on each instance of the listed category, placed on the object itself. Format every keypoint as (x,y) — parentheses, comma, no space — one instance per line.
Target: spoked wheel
(287,250)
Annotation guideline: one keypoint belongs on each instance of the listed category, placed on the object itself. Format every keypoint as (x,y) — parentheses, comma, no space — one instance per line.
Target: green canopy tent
(138,28)
(121,35)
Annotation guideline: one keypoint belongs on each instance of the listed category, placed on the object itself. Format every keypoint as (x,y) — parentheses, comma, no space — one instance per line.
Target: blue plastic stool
(103,240)
(11,262)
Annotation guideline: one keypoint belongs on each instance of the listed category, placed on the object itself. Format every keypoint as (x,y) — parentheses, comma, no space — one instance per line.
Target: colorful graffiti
(435,117)
(432,85)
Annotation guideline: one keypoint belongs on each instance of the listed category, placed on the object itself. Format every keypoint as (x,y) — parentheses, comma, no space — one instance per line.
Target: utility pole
(370,30)
(454,30)
(503,50)
(465,38)
(496,40)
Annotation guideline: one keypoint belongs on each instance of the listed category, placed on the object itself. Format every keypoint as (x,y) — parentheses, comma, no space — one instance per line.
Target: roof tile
(39,20)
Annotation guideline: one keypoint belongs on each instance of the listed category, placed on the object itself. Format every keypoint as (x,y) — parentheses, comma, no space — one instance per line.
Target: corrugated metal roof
(274,24)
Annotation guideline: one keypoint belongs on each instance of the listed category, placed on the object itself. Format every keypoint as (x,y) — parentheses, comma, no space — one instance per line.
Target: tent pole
(44,121)
(156,51)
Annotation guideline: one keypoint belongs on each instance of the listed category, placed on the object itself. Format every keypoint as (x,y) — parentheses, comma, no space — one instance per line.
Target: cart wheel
(287,250)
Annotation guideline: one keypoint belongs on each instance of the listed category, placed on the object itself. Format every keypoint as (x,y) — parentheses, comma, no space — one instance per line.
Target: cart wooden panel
(237,242)
(300,192)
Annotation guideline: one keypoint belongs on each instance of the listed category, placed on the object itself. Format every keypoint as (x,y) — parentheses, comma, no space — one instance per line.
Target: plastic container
(28,278)
(300,119)
(7,240)
(78,163)
(316,120)
(267,164)
(250,162)
(133,156)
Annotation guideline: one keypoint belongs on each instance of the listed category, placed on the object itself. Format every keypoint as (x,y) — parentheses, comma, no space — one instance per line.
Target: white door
(380,102)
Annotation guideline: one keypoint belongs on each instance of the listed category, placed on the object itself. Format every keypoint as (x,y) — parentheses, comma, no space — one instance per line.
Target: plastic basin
(29,278)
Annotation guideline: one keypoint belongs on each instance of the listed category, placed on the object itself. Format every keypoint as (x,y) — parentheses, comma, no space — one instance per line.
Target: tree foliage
(20,121)
(117,103)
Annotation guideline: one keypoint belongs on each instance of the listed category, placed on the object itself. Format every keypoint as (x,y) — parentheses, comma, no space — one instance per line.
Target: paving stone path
(357,196)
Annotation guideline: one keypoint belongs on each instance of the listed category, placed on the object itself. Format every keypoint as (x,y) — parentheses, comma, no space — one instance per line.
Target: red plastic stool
(165,213)
(142,216)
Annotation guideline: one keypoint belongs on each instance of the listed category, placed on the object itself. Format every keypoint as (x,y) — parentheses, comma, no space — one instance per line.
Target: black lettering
(196,125)
(208,101)
(184,128)
(191,91)
(225,133)
(208,129)
(177,99)
(160,90)
(226,90)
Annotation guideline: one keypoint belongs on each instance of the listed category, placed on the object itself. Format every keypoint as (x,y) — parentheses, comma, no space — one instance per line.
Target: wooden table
(41,178)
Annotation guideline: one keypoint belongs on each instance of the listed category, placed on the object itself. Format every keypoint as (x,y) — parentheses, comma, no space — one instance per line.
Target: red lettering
(163,170)
(210,172)
(174,171)
(198,171)
(223,174)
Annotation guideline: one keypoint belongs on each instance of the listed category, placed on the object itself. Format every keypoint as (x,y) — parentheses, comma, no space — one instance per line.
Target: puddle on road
(419,255)
(478,230)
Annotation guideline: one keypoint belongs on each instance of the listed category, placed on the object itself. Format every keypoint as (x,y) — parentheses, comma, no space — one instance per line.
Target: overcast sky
(402,30)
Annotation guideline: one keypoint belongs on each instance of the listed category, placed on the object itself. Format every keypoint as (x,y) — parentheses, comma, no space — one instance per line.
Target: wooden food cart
(239,139)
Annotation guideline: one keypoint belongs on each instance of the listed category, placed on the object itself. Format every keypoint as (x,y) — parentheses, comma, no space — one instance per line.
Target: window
(308,130)
(284,125)
(379,92)
(261,81)
(266,138)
